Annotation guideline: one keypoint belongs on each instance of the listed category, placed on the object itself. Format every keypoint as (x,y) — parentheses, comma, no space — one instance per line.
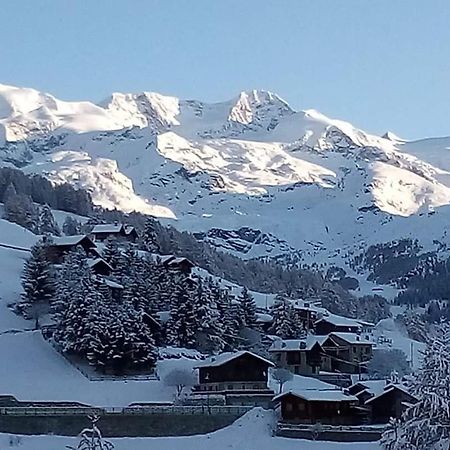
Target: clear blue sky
(381,64)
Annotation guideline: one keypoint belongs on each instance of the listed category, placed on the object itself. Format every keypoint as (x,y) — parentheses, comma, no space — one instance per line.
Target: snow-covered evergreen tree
(38,282)
(183,323)
(19,208)
(425,425)
(46,222)
(210,330)
(71,226)
(248,308)
(111,252)
(150,236)
(285,324)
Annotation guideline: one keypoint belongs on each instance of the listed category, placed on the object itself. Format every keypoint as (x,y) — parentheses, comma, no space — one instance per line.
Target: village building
(115,230)
(332,323)
(100,267)
(391,403)
(59,247)
(240,377)
(347,353)
(367,389)
(177,263)
(300,356)
(310,406)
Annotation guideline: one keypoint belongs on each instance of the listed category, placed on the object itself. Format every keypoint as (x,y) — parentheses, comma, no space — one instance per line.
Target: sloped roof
(94,262)
(353,338)
(224,358)
(374,387)
(108,228)
(388,389)
(340,320)
(319,395)
(179,260)
(296,344)
(69,240)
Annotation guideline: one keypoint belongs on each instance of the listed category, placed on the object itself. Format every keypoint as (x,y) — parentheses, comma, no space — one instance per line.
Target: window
(289,407)
(230,387)
(301,407)
(354,349)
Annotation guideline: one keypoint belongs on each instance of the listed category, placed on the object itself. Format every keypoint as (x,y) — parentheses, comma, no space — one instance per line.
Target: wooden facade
(301,361)
(390,403)
(326,326)
(242,371)
(59,247)
(296,408)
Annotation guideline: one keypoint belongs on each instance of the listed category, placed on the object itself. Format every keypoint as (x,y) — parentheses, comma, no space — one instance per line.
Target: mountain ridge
(251,161)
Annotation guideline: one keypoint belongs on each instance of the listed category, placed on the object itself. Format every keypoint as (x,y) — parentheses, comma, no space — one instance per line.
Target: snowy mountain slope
(314,184)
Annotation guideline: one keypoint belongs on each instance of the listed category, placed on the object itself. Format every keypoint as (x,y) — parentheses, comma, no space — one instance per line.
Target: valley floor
(251,432)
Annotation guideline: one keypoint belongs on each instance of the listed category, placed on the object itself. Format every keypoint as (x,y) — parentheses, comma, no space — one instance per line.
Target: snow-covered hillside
(300,179)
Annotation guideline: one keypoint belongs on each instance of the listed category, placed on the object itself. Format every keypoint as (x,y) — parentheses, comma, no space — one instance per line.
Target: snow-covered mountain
(292,180)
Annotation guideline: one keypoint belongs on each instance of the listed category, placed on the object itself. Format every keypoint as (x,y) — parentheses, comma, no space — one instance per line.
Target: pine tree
(150,236)
(425,425)
(183,323)
(285,321)
(210,327)
(71,226)
(46,222)
(111,252)
(248,308)
(38,282)
(19,208)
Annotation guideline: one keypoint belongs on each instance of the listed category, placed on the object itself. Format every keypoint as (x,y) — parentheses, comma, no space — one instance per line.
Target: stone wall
(118,425)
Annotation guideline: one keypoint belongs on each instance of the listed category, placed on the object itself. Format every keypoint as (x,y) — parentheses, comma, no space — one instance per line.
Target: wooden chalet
(240,372)
(58,247)
(300,356)
(115,230)
(333,323)
(392,402)
(177,264)
(367,389)
(346,353)
(310,406)
(100,267)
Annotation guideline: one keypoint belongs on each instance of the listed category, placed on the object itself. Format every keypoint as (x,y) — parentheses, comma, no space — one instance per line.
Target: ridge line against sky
(381,65)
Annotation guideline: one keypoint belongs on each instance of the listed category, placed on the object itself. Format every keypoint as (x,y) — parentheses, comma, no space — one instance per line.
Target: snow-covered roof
(165,258)
(112,284)
(374,387)
(353,338)
(179,260)
(129,229)
(389,388)
(319,395)
(340,320)
(108,228)
(94,262)
(263,318)
(223,358)
(68,240)
(297,344)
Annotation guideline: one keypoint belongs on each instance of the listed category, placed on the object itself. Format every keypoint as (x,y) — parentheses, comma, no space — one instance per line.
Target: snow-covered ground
(318,184)
(251,432)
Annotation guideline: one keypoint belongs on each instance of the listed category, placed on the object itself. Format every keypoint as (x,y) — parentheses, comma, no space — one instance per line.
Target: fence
(131,410)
